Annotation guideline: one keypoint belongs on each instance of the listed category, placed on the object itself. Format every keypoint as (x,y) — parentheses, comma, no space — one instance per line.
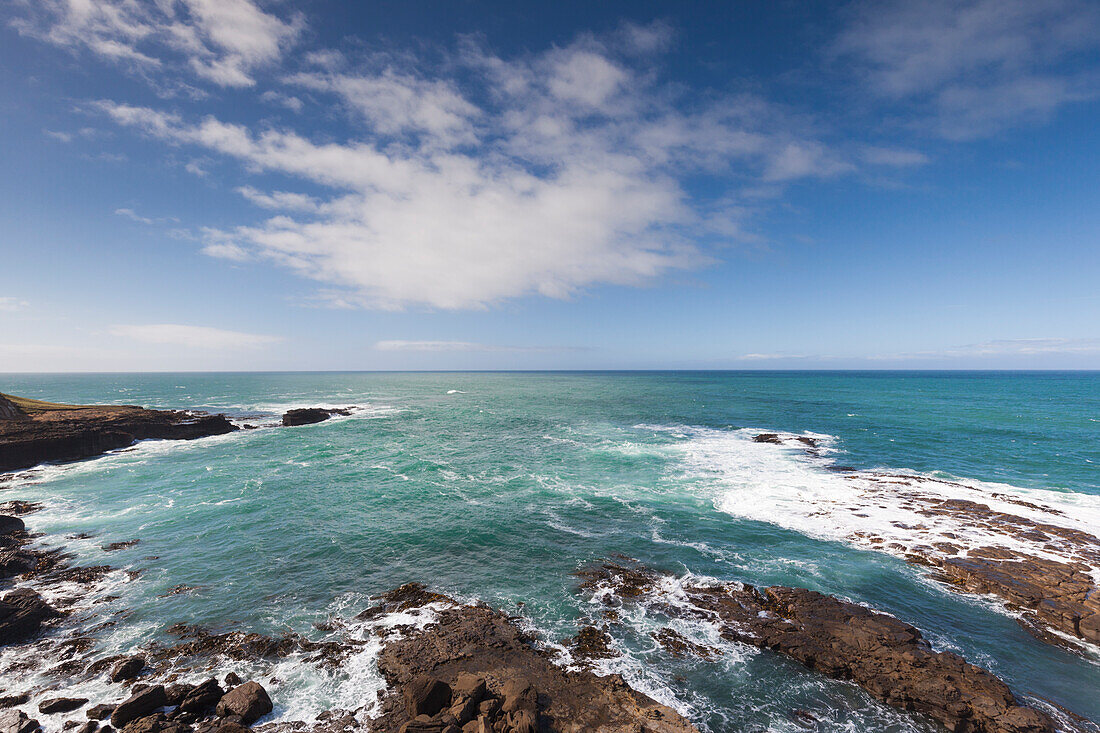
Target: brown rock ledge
(880,653)
(33,432)
(474,670)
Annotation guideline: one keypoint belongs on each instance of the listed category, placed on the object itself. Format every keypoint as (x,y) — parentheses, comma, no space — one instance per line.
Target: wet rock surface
(310,415)
(45,432)
(475,670)
(1030,556)
(883,655)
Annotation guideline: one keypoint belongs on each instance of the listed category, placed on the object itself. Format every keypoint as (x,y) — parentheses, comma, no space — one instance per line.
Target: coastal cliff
(33,432)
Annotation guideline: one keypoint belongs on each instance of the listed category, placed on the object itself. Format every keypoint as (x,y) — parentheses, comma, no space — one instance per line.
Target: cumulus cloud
(221,41)
(979,65)
(479,179)
(196,337)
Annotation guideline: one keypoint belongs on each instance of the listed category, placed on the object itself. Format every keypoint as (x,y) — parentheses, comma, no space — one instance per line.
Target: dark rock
(114,546)
(100,712)
(248,701)
(69,724)
(310,415)
(772,438)
(10,701)
(139,705)
(16,721)
(89,726)
(232,679)
(17,561)
(177,693)
(61,705)
(22,613)
(203,697)
(478,652)
(592,643)
(426,696)
(72,432)
(883,655)
(232,728)
(127,669)
(8,524)
(18,507)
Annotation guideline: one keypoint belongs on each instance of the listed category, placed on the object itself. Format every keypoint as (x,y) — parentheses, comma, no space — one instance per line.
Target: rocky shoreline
(1044,571)
(885,656)
(33,432)
(467,668)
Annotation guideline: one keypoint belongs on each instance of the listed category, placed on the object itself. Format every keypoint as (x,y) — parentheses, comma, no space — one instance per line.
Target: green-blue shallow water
(498,486)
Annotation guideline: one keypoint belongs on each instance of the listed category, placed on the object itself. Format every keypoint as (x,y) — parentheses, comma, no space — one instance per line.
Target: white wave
(798,487)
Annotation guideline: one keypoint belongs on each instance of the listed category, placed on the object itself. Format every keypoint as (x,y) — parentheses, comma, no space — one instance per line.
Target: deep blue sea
(497,486)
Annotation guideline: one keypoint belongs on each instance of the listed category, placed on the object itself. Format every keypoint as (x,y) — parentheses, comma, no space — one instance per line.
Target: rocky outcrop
(139,705)
(61,705)
(473,670)
(9,525)
(16,721)
(127,669)
(883,655)
(248,702)
(72,432)
(22,613)
(310,415)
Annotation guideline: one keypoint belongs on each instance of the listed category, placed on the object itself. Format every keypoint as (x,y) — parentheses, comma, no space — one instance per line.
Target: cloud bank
(195,337)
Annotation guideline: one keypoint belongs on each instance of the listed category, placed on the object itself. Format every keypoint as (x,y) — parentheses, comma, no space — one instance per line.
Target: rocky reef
(883,655)
(1030,556)
(33,432)
(473,670)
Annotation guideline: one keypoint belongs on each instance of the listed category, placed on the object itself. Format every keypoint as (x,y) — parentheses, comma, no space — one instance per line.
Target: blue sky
(237,184)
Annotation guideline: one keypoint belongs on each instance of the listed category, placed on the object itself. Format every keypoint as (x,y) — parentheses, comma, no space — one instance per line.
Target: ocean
(498,486)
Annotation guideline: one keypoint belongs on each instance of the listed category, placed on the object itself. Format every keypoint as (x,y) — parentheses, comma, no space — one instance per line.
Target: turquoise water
(498,486)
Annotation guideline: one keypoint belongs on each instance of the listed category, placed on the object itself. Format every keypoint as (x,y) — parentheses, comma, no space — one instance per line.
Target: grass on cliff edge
(37,407)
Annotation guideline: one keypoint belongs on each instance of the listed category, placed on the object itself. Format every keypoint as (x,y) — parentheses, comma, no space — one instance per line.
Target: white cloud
(10,304)
(1004,348)
(134,216)
(223,41)
(894,157)
(284,100)
(282,200)
(980,65)
(197,337)
(436,346)
(548,174)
